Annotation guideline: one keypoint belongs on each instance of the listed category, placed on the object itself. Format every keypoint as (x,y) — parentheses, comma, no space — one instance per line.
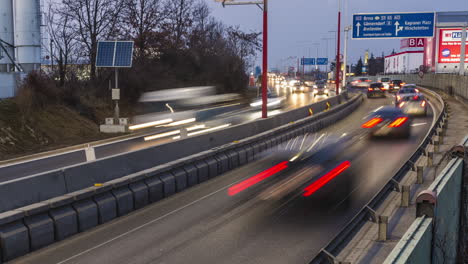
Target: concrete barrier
(415,246)
(433,237)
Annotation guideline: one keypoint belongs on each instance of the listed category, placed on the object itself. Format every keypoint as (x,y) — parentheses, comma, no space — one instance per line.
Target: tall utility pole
(346,30)
(338,65)
(463,50)
(326,50)
(264,6)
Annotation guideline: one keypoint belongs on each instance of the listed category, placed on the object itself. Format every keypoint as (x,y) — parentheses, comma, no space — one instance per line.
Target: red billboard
(412,43)
(449,45)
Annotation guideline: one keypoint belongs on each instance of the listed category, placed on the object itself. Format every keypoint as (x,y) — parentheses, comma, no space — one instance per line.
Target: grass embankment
(47,128)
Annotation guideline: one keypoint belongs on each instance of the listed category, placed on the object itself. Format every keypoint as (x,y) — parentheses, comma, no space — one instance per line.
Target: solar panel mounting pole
(116,109)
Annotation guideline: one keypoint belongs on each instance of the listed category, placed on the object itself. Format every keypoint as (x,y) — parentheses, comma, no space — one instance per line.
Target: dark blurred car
(413,104)
(320,88)
(396,85)
(376,90)
(388,121)
(310,166)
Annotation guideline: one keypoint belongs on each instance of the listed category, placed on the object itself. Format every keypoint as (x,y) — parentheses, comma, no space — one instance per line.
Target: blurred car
(299,87)
(273,101)
(361,82)
(320,88)
(407,89)
(388,121)
(376,90)
(413,104)
(312,166)
(395,85)
(385,82)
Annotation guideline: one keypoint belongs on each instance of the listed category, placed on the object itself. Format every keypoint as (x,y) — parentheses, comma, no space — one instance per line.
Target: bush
(36,93)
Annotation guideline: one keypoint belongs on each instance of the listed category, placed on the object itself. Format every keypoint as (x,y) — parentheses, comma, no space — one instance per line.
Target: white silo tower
(27,24)
(6,35)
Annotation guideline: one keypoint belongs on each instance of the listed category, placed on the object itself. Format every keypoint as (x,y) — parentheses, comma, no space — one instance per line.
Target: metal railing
(339,242)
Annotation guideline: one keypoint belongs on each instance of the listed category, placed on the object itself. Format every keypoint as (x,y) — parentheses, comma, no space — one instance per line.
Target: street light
(338,65)
(264,6)
(346,30)
(327,39)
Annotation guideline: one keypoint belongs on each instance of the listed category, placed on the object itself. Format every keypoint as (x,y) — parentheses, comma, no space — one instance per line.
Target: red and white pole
(338,64)
(265,60)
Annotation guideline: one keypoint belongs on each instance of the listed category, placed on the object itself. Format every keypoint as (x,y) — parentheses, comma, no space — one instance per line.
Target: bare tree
(94,20)
(179,20)
(60,30)
(142,19)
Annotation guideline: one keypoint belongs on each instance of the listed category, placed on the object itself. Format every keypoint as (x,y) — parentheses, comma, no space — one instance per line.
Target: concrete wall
(447,212)
(458,83)
(435,240)
(47,185)
(415,246)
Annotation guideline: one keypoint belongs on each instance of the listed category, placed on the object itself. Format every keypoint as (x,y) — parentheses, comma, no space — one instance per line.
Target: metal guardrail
(336,245)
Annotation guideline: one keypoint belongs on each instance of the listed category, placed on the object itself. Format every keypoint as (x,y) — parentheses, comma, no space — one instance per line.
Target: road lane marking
(418,124)
(148,223)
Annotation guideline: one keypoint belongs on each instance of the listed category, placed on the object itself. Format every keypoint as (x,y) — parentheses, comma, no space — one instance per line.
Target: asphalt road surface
(206,225)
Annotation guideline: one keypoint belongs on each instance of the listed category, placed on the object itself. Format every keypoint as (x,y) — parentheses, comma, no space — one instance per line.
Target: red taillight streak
(370,89)
(233,190)
(372,123)
(315,186)
(398,122)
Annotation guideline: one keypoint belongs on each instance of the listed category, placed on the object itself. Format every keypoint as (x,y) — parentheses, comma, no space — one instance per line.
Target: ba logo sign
(446,53)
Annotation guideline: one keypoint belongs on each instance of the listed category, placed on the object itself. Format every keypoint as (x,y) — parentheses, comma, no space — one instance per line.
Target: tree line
(177,43)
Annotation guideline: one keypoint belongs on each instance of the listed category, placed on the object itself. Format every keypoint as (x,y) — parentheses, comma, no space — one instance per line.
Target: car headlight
(255,104)
(326,90)
(302,88)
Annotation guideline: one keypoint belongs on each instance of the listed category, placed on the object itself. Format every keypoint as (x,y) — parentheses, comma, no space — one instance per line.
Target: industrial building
(20,42)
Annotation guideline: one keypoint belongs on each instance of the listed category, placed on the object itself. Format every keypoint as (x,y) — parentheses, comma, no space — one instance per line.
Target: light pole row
(264,6)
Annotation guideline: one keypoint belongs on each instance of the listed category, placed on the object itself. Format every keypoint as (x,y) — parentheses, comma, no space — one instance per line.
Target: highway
(206,225)
(39,165)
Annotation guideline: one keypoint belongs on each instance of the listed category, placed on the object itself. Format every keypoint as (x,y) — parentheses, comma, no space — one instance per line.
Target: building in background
(404,62)
(442,53)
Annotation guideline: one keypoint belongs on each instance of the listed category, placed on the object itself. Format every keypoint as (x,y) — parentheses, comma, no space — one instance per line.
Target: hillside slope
(52,127)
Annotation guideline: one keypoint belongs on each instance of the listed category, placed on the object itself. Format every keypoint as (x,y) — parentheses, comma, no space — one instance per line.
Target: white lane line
(418,124)
(146,224)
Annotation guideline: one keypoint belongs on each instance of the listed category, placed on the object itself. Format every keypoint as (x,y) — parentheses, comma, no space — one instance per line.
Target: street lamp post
(346,30)
(326,48)
(338,65)
(263,3)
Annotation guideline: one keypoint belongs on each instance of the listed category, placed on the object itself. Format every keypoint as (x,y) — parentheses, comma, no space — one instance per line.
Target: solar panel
(114,54)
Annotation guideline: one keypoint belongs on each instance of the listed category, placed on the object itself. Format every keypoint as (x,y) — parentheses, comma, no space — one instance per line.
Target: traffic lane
(215,228)
(294,100)
(23,169)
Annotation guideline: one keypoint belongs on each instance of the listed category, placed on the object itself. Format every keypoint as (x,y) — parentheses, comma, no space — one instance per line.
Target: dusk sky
(296,24)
